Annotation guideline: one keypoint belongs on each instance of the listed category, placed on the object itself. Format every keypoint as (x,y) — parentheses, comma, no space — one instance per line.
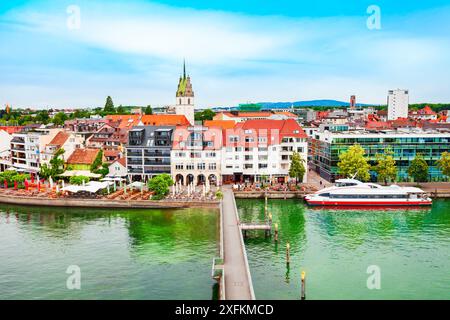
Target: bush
(160,186)
(78,180)
(219,194)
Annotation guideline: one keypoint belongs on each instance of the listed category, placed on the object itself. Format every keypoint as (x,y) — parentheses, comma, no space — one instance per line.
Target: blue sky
(236,51)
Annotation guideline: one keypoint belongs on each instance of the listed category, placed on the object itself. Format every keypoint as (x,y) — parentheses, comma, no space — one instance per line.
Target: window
(200,166)
(190,166)
(212,166)
(248,166)
(262,166)
(179,166)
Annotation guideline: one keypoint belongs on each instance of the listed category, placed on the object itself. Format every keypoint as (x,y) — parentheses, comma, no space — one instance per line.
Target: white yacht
(351,192)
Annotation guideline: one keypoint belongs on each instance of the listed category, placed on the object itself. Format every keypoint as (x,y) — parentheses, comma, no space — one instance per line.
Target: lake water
(167,254)
(409,247)
(139,254)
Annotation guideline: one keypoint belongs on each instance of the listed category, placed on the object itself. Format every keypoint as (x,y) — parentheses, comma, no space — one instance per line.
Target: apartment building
(398,103)
(405,143)
(257,149)
(26,148)
(148,151)
(196,155)
(65,140)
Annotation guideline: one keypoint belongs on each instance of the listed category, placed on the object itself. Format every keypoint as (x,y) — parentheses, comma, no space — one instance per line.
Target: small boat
(352,192)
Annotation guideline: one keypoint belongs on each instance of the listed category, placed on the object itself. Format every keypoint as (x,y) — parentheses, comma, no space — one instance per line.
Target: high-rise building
(398,102)
(185,97)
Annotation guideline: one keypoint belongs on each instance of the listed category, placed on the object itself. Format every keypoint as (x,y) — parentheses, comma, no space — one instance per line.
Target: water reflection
(141,254)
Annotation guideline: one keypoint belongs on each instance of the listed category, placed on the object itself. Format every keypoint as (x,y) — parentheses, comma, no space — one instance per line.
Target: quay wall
(104,203)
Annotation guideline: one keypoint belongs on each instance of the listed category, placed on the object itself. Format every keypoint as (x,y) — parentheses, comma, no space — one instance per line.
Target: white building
(66,140)
(26,148)
(196,155)
(258,149)
(5,150)
(398,103)
(118,168)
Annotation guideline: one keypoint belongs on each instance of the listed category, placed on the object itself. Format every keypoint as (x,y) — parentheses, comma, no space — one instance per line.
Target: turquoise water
(167,254)
(411,247)
(144,254)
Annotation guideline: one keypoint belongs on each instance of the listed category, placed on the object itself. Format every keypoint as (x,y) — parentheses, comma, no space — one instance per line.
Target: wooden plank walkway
(238,281)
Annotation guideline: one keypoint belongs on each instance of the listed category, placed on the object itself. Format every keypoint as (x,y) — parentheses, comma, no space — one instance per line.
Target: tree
(444,164)
(55,167)
(60,118)
(148,110)
(78,180)
(353,163)
(98,161)
(42,117)
(206,114)
(418,169)
(385,168)
(160,185)
(120,110)
(297,169)
(109,105)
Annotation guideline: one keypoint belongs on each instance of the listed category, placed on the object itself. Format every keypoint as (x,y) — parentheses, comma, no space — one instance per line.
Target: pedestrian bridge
(235,281)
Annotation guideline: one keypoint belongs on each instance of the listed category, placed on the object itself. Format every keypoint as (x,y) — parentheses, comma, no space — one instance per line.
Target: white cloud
(235,57)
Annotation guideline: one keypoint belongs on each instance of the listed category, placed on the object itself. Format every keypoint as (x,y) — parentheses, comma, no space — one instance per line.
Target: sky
(75,53)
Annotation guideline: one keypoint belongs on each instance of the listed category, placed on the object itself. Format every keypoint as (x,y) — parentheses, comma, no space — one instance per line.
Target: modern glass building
(326,147)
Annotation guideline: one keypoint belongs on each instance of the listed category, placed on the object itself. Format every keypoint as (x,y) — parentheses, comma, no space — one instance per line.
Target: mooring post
(270,218)
(288,253)
(276,232)
(303,292)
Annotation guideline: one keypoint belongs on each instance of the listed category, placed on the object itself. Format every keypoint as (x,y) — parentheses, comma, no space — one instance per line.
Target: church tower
(185,97)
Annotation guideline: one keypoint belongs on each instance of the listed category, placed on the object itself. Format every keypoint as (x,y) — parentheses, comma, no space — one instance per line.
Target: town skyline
(74,55)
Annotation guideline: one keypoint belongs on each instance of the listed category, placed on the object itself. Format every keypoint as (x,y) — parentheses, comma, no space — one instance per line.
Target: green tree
(60,118)
(109,106)
(160,185)
(55,166)
(78,180)
(98,161)
(297,169)
(42,117)
(418,169)
(444,164)
(353,163)
(206,114)
(121,110)
(148,110)
(385,168)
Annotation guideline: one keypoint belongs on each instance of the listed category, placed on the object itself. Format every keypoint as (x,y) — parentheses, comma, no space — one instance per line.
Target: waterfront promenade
(238,282)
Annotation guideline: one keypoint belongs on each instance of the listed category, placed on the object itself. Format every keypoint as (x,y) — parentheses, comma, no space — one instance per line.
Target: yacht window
(324,195)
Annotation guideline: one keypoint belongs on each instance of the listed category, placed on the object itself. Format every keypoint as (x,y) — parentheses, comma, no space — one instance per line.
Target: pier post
(276,232)
(270,218)
(303,285)
(288,253)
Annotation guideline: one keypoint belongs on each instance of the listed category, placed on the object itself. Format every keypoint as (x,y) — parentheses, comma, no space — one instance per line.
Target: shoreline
(104,203)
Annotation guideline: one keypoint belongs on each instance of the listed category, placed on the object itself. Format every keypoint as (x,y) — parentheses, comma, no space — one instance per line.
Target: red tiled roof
(11,129)
(165,120)
(121,161)
(83,156)
(273,130)
(60,138)
(123,121)
(287,114)
(224,124)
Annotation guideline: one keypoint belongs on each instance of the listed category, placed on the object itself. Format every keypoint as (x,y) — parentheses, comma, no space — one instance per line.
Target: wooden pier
(235,281)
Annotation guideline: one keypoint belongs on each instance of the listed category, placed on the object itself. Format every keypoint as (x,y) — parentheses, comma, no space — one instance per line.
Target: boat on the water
(352,192)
